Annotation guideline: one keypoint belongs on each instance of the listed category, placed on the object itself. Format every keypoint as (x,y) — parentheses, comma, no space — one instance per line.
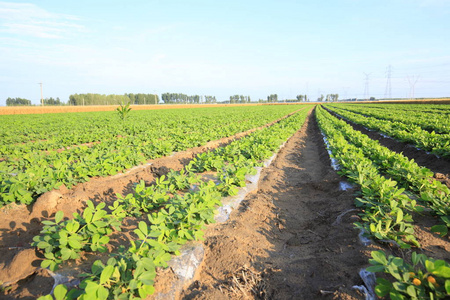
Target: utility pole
(388,90)
(307,90)
(42,98)
(412,83)
(366,86)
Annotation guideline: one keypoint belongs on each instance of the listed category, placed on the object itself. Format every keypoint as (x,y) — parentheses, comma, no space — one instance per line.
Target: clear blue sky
(223,48)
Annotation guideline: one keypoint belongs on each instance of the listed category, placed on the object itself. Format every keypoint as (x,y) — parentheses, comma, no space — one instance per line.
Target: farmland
(115,200)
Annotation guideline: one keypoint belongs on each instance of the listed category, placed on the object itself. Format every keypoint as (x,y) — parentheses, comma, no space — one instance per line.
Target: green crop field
(41,153)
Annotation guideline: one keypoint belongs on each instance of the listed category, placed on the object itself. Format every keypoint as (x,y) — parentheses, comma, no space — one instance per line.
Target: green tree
(17,102)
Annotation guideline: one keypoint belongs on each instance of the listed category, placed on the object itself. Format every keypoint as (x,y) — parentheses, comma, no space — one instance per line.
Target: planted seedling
(123,111)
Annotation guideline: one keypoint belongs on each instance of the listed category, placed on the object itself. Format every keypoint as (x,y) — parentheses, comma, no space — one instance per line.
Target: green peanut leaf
(146,290)
(102,293)
(43,245)
(379,257)
(60,292)
(143,227)
(148,263)
(74,243)
(442,271)
(106,274)
(375,269)
(383,287)
(59,216)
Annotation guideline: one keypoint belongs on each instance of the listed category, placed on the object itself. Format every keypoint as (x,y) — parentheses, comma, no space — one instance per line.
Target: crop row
(22,133)
(174,211)
(425,108)
(417,182)
(27,173)
(429,121)
(438,144)
(386,208)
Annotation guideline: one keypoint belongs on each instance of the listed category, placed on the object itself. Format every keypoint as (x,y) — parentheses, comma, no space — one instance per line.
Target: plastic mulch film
(369,280)
(186,264)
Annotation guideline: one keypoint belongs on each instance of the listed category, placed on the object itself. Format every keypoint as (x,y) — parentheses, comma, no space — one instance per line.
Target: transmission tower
(412,83)
(388,90)
(366,86)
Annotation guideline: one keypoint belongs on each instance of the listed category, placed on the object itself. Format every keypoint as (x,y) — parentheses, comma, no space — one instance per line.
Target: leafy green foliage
(417,180)
(176,213)
(41,152)
(418,129)
(425,278)
(64,239)
(385,213)
(123,111)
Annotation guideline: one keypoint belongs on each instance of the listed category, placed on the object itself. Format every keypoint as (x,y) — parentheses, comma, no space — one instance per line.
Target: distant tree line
(99,99)
(51,101)
(210,99)
(328,98)
(272,98)
(143,98)
(302,98)
(170,98)
(332,97)
(17,102)
(239,99)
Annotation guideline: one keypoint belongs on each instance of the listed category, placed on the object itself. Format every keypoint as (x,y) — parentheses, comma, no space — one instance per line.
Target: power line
(366,86)
(412,83)
(388,90)
(42,98)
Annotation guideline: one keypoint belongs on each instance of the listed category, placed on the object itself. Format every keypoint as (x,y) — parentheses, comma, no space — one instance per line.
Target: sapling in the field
(123,111)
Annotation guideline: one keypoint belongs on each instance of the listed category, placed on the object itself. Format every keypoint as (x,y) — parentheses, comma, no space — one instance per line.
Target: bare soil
(20,110)
(293,238)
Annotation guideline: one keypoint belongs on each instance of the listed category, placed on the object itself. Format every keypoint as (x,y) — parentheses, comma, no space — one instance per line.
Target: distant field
(416,101)
(20,110)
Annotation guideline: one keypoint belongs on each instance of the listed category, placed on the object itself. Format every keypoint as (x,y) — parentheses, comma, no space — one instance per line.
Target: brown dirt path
(282,243)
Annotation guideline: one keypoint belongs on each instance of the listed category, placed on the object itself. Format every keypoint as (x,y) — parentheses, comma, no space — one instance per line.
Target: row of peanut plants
(387,210)
(438,144)
(35,164)
(174,214)
(436,120)
(417,182)
(426,108)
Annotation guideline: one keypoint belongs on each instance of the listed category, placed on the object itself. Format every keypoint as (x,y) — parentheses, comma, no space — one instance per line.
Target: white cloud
(29,20)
